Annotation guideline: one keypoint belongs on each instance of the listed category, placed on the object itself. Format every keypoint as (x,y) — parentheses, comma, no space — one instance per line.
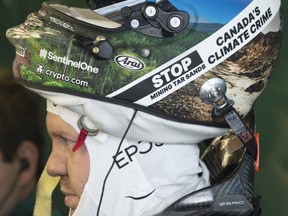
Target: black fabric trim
(142,197)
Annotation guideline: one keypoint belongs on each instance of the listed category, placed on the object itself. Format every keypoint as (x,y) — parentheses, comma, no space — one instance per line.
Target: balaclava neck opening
(131,170)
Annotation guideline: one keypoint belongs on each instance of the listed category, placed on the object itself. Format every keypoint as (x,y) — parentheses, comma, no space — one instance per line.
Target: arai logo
(129,63)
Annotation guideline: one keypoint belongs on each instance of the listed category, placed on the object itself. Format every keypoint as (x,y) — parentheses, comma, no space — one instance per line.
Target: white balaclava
(156,163)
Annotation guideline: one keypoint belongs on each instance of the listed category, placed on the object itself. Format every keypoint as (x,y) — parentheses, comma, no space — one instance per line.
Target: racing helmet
(181,60)
(163,57)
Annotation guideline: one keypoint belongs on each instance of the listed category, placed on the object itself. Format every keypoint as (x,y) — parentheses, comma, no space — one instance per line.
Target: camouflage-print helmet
(155,56)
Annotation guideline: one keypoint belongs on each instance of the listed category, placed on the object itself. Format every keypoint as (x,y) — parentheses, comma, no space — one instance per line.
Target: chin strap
(45,188)
(213,92)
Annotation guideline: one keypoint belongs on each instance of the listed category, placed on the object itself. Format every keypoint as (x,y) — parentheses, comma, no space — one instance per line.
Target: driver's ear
(28,156)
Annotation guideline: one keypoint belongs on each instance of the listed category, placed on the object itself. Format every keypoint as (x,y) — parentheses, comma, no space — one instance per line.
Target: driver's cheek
(78,168)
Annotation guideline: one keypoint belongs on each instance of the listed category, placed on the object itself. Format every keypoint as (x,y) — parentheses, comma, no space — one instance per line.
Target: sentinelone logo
(44,54)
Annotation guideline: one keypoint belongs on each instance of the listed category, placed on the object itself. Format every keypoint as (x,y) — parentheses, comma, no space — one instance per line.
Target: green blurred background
(271,111)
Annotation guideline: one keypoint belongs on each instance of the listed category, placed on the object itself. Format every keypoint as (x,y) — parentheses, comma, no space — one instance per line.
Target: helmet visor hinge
(151,20)
(173,22)
(100,47)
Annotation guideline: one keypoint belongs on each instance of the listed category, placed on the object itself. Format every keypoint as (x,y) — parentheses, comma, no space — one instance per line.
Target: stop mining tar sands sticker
(201,58)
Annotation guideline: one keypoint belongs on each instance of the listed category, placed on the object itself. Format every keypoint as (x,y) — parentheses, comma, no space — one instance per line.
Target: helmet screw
(150,11)
(212,90)
(215,93)
(100,38)
(145,52)
(135,23)
(95,50)
(175,22)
